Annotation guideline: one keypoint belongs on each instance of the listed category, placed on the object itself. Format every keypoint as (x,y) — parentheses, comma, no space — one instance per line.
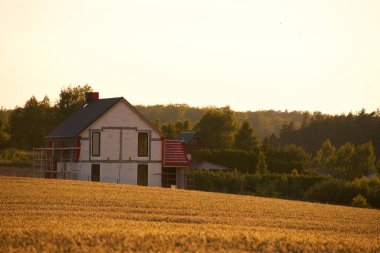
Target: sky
(315,55)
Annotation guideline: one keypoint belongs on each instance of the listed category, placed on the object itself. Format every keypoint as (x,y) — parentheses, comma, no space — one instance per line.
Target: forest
(343,147)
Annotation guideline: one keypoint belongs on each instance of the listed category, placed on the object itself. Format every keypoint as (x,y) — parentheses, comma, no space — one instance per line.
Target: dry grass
(53,215)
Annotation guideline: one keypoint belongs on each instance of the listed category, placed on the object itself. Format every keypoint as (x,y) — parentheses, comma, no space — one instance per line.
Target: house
(108,140)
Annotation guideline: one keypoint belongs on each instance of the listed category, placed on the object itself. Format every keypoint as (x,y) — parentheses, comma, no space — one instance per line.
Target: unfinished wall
(123,173)
(119,159)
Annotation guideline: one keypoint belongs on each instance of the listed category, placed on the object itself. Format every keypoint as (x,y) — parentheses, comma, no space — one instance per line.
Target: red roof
(174,154)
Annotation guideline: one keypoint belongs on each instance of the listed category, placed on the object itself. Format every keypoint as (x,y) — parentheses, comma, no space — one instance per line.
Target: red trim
(77,151)
(63,150)
(163,151)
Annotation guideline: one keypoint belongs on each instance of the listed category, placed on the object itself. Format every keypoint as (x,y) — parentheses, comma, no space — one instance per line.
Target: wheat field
(42,215)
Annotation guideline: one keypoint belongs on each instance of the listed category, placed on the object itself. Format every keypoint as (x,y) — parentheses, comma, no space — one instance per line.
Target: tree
(325,157)
(245,138)
(70,100)
(287,133)
(169,130)
(4,128)
(157,124)
(270,143)
(345,161)
(261,167)
(287,158)
(182,126)
(29,124)
(216,128)
(172,129)
(364,160)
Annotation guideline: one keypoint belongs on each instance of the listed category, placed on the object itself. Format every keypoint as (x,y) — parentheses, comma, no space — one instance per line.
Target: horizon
(52,103)
(274,55)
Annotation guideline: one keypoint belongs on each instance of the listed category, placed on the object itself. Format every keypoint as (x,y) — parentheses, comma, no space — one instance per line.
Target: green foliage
(70,100)
(325,157)
(270,143)
(360,201)
(287,158)
(271,185)
(339,191)
(345,161)
(266,122)
(281,160)
(4,128)
(261,167)
(29,124)
(216,128)
(241,160)
(172,129)
(303,187)
(348,162)
(169,130)
(15,157)
(354,128)
(364,160)
(245,139)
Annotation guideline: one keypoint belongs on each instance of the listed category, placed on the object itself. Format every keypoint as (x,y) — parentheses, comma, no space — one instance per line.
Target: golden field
(70,216)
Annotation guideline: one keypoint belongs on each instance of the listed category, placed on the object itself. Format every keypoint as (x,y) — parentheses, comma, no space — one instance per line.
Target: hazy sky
(251,55)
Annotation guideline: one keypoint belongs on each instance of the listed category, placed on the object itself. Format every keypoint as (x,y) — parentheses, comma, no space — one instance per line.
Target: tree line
(229,138)
(24,127)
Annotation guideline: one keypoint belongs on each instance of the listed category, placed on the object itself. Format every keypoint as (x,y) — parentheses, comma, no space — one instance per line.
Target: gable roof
(82,118)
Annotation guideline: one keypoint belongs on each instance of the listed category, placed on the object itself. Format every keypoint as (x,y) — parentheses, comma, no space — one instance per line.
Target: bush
(270,185)
(338,191)
(241,160)
(15,157)
(360,201)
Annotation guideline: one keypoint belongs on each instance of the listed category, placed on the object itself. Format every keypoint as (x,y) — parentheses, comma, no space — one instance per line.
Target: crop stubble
(58,215)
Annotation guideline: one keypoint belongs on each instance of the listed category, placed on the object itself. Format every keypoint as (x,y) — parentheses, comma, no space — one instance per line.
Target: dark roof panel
(185,137)
(83,118)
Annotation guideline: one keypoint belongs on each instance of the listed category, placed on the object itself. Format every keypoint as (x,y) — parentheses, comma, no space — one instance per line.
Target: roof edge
(143,117)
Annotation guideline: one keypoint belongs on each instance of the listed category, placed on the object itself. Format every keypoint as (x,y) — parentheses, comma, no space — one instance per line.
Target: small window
(95,172)
(143,144)
(142,174)
(95,143)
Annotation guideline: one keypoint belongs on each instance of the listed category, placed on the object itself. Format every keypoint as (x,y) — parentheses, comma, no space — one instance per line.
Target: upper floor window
(143,144)
(95,143)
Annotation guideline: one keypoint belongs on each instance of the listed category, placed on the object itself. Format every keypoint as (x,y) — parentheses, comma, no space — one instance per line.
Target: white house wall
(118,158)
(123,173)
(121,115)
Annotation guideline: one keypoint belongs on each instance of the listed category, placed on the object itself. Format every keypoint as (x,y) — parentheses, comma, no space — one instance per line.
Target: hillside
(265,123)
(55,215)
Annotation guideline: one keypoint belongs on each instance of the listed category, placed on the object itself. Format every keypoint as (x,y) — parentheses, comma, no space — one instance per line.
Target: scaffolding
(59,163)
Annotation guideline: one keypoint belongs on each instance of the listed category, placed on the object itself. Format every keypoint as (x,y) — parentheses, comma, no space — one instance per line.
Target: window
(143,144)
(95,140)
(95,172)
(142,174)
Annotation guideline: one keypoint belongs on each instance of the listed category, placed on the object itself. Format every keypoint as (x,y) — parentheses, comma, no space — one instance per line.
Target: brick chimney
(91,97)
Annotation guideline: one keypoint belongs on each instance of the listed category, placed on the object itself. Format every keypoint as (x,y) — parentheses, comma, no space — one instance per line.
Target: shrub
(338,191)
(15,157)
(360,201)
(241,160)
(270,185)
